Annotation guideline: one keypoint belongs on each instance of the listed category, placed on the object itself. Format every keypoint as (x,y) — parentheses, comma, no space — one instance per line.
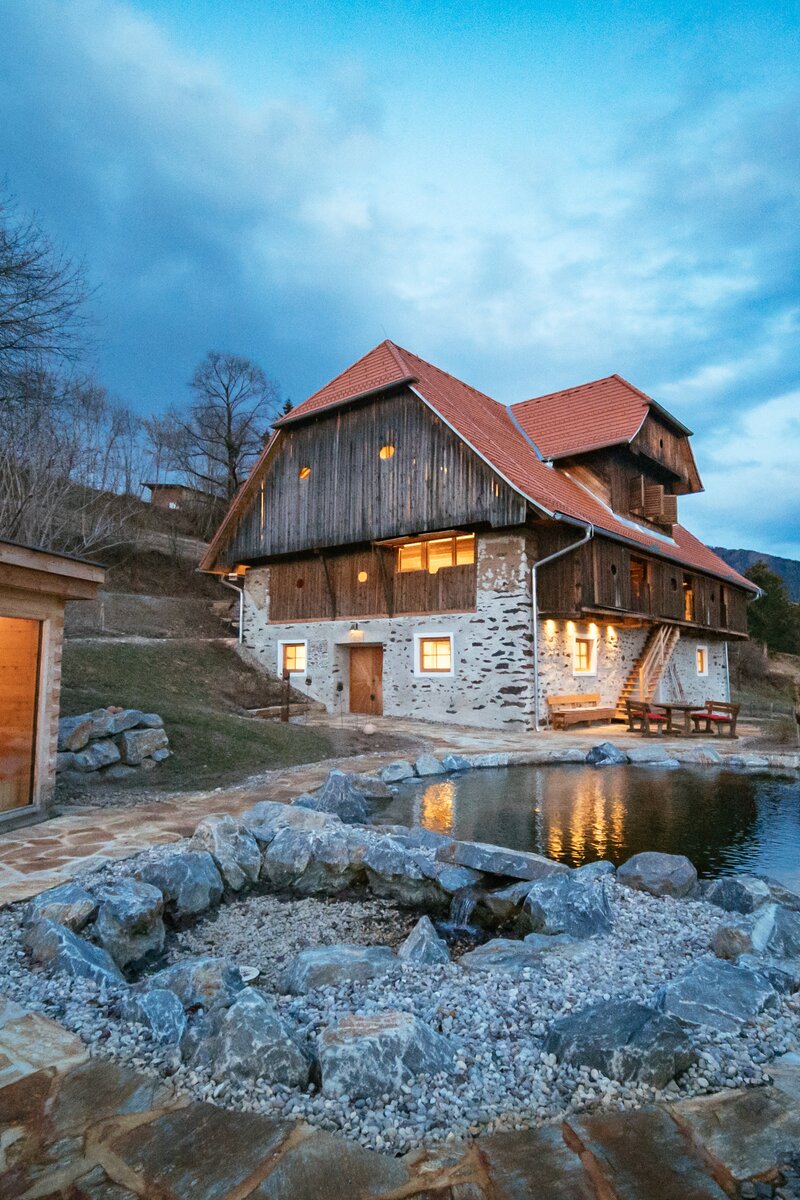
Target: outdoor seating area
(578,709)
(715,717)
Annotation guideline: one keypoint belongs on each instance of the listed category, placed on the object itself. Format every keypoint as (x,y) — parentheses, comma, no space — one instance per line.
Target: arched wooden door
(366,680)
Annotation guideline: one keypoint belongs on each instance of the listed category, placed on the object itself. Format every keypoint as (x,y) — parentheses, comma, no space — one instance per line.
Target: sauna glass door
(20,644)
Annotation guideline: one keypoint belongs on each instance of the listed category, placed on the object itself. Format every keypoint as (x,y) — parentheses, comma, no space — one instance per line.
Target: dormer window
(432,555)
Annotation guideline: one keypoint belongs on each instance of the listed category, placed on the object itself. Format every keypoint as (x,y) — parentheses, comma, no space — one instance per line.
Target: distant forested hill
(787,568)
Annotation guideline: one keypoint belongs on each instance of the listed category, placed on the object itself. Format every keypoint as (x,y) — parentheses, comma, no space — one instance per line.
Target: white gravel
(496,1021)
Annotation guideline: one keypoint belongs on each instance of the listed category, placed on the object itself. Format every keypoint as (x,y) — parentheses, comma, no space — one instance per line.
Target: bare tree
(215,442)
(42,298)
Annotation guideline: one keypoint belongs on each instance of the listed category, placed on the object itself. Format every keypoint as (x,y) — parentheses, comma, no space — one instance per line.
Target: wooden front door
(20,641)
(366,680)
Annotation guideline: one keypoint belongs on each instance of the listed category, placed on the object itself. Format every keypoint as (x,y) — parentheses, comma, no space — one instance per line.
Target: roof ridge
(579,387)
(455,378)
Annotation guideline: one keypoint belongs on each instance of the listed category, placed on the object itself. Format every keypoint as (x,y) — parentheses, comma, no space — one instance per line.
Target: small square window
(436,655)
(411,557)
(293,656)
(584,660)
(701,660)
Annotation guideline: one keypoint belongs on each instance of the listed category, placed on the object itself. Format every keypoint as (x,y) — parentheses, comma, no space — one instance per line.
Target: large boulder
(772,930)
(456,762)
(74,732)
(502,954)
(124,719)
(150,721)
(606,754)
(423,945)
(498,860)
(340,796)
(160,1012)
(102,753)
(187,879)
(623,1039)
(395,874)
(397,771)
(589,872)
(717,994)
(250,1040)
(372,787)
(201,982)
(782,973)
(564,904)
(129,922)
(135,745)
(60,949)
(328,966)
(501,906)
(232,847)
(69,904)
(364,1057)
(659,874)
(736,893)
(287,857)
(267,818)
(428,764)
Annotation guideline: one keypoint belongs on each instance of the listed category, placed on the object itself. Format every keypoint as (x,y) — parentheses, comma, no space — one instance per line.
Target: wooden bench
(642,719)
(718,715)
(575,710)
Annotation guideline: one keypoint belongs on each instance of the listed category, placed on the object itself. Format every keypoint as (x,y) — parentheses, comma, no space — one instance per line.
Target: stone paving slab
(534,1165)
(747,1131)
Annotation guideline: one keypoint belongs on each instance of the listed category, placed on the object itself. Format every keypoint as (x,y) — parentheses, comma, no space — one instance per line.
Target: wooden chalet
(407,545)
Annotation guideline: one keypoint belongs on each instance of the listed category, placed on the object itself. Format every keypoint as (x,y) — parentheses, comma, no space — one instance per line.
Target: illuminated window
(386,452)
(362,576)
(432,555)
(701,660)
(304,472)
(688,598)
(436,655)
(293,656)
(584,660)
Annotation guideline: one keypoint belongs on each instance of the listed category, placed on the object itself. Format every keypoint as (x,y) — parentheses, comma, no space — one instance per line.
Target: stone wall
(617,651)
(696,688)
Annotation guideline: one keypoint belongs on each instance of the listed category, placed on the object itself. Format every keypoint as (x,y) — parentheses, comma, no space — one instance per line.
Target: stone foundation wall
(617,651)
(696,688)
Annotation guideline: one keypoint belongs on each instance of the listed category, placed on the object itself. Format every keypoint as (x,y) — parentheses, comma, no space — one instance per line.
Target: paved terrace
(41,856)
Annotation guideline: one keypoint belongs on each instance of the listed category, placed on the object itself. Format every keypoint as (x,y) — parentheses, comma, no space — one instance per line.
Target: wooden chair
(641,719)
(578,709)
(717,716)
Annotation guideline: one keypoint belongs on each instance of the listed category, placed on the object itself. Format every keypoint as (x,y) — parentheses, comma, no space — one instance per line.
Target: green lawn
(197,689)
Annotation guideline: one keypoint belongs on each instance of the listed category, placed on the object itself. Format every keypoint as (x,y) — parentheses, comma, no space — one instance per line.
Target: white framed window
(584,654)
(292,657)
(701,660)
(434,654)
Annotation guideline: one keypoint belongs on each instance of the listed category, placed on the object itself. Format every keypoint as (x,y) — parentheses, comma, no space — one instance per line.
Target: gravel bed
(496,1021)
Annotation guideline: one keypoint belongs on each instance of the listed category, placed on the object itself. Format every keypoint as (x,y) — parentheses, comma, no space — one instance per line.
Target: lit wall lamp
(355,633)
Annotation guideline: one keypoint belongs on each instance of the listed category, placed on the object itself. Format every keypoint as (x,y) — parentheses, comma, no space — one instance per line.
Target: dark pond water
(723,820)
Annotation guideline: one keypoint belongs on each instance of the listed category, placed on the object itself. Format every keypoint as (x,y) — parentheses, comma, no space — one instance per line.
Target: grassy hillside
(200,691)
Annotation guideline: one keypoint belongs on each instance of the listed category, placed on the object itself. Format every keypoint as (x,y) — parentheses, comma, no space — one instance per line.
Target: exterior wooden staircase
(645,673)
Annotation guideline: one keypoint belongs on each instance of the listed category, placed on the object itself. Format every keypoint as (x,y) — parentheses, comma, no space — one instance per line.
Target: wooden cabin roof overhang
(28,569)
(493,433)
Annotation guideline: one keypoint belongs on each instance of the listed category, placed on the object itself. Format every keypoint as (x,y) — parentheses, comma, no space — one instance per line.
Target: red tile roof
(603,413)
(488,428)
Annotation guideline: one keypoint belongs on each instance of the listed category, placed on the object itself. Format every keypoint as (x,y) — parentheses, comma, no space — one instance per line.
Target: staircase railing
(657,654)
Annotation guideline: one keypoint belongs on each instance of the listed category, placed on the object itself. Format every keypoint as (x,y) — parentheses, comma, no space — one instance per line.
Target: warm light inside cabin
(435,654)
(304,472)
(583,655)
(386,452)
(431,556)
(362,576)
(294,656)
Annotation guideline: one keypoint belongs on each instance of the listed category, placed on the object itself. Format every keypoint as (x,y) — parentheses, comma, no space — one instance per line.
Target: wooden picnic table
(685,727)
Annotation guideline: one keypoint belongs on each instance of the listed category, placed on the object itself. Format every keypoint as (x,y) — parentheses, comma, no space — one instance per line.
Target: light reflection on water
(723,820)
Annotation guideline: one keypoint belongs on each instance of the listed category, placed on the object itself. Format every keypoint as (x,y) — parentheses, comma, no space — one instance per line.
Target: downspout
(240,593)
(588,535)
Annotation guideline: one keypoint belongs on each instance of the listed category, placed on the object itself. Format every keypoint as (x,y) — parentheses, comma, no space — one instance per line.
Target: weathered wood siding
(433,481)
(597,576)
(320,587)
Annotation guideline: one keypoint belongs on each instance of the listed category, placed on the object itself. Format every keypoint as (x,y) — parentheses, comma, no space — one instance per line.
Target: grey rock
(159,756)
(455,762)
(658,874)
(453,879)
(623,1039)
(502,759)
(74,732)
(423,945)
(781,894)
(589,872)
(65,761)
(699,756)
(127,718)
(333,863)
(102,721)
(60,949)
(423,839)
(151,721)
(340,796)
(563,904)
(201,982)
(69,904)
(364,1057)
(735,893)
(497,860)
(717,994)
(397,771)
(371,787)
(503,954)
(287,856)
(233,848)
(118,772)
(102,753)
(187,879)
(327,966)
(502,906)
(80,780)
(649,756)
(135,745)
(268,817)
(428,764)
(771,930)
(606,754)
(393,872)
(129,922)
(250,1040)
(782,973)
(160,1012)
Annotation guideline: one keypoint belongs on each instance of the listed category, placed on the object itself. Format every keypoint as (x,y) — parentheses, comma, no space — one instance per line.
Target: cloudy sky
(530,195)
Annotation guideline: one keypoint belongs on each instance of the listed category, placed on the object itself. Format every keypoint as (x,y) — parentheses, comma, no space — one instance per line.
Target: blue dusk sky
(528,195)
